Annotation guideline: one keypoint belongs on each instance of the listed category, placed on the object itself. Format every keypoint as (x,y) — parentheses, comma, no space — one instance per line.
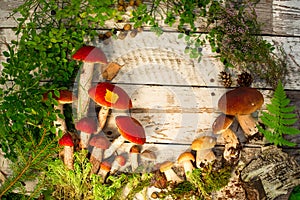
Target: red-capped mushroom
(109,96)
(130,130)
(117,163)
(105,167)
(134,156)
(67,142)
(86,126)
(100,143)
(65,97)
(166,168)
(88,55)
(241,102)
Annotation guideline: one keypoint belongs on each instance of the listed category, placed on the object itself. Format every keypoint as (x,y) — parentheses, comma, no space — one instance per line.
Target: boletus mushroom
(88,55)
(109,96)
(203,147)
(241,102)
(130,129)
(86,126)
(166,168)
(99,144)
(186,159)
(67,142)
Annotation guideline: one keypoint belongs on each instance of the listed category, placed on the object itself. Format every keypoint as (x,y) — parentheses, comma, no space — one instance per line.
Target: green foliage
(231,29)
(81,184)
(295,195)
(279,119)
(207,180)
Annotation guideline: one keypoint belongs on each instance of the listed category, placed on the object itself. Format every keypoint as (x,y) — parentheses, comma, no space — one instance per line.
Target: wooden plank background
(175,97)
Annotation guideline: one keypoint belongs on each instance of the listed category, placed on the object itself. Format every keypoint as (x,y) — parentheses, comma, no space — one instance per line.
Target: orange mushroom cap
(131,129)
(90,54)
(101,91)
(66,140)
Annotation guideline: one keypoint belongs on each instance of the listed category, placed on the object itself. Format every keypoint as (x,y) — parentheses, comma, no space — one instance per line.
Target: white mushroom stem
(188,166)
(84,84)
(61,123)
(113,147)
(172,176)
(248,124)
(96,159)
(68,157)
(204,156)
(104,170)
(84,139)
(102,117)
(134,161)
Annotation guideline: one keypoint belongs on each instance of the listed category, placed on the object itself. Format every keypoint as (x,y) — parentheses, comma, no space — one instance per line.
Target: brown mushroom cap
(131,129)
(90,54)
(87,125)
(240,101)
(148,155)
(222,123)
(135,149)
(204,142)
(106,166)
(100,142)
(65,97)
(166,166)
(186,156)
(109,95)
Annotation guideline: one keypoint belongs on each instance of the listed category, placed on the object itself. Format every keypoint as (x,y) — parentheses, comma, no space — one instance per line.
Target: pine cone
(225,79)
(244,79)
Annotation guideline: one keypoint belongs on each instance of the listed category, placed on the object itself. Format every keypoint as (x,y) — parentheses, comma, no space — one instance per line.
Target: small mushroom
(203,147)
(105,167)
(67,142)
(166,168)
(88,55)
(241,102)
(130,130)
(65,97)
(134,156)
(186,160)
(149,158)
(100,143)
(117,163)
(109,96)
(87,126)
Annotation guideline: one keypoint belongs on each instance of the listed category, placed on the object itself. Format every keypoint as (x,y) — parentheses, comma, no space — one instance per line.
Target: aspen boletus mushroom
(109,96)
(166,168)
(119,161)
(203,147)
(131,130)
(67,142)
(86,126)
(222,126)
(241,102)
(186,159)
(105,167)
(65,97)
(99,144)
(89,55)
(134,152)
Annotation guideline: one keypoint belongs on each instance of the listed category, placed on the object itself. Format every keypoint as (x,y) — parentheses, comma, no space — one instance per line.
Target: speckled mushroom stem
(59,122)
(248,124)
(96,158)
(68,157)
(84,139)
(201,156)
(102,117)
(84,84)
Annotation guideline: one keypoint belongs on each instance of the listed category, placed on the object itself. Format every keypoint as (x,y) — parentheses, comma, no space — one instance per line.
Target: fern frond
(279,118)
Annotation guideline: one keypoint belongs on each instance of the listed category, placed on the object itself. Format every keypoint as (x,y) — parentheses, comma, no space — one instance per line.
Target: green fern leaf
(289,130)
(279,119)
